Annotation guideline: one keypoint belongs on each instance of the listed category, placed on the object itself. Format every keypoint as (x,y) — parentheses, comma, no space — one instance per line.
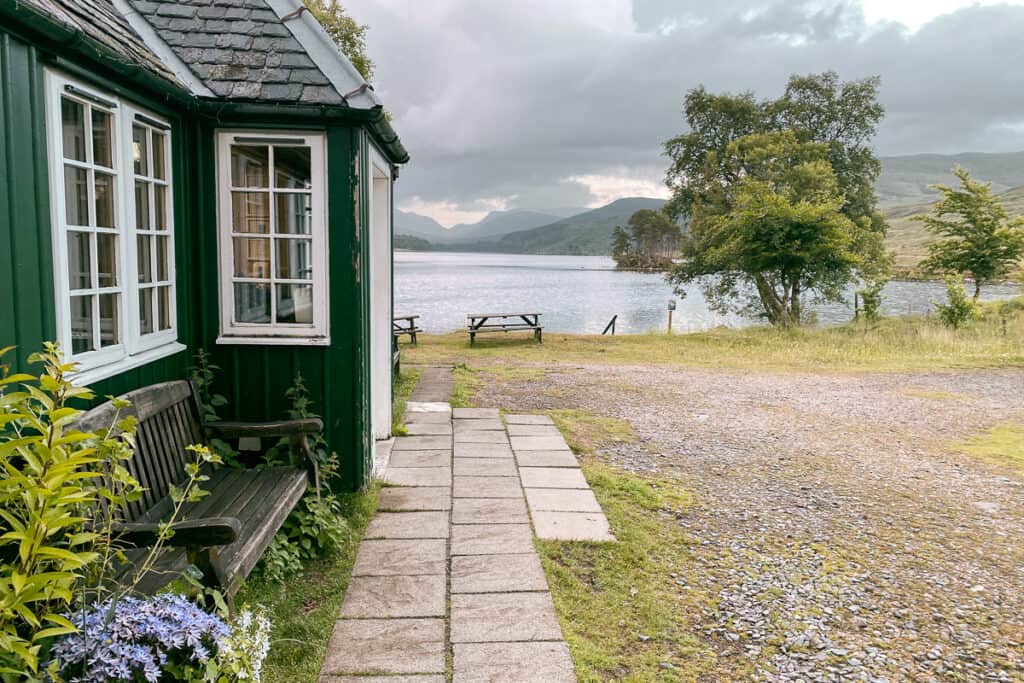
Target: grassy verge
(305,607)
(996,339)
(1001,445)
(584,431)
(466,383)
(404,385)
(625,607)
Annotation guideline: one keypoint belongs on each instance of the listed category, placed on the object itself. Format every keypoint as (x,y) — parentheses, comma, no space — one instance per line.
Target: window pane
(252,303)
(250,166)
(295,259)
(110,334)
(106,258)
(81,324)
(145,258)
(291,167)
(294,214)
(164,299)
(159,156)
(72,117)
(79,260)
(105,201)
(146,319)
(250,211)
(76,196)
(295,304)
(140,150)
(160,204)
(162,260)
(102,138)
(142,205)
(252,257)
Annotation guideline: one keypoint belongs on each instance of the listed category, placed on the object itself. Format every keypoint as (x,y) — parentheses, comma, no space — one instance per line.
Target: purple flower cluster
(137,638)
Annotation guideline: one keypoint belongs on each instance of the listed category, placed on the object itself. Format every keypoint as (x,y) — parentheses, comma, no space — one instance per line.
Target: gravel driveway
(839,536)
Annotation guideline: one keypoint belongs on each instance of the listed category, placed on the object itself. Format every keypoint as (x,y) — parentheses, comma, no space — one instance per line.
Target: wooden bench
(405,324)
(478,323)
(225,533)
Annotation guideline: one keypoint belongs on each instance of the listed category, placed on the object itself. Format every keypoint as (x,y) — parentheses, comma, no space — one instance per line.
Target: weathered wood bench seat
(225,533)
(478,323)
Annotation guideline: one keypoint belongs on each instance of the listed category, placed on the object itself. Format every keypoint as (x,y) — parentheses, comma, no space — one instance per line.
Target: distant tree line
(650,241)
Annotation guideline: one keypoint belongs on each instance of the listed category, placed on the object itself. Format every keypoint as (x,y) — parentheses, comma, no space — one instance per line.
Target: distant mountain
(499,223)
(905,179)
(415,225)
(410,243)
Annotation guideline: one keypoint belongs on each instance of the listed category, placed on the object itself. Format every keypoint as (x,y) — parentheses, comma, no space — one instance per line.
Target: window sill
(101,372)
(273,341)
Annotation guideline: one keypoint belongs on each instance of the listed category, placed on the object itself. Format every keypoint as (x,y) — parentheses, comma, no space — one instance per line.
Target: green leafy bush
(960,309)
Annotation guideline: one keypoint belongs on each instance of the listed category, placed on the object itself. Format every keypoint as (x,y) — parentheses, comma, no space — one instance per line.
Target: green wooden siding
(253,378)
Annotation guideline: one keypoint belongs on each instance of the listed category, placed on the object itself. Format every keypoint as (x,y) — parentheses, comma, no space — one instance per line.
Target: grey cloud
(499,99)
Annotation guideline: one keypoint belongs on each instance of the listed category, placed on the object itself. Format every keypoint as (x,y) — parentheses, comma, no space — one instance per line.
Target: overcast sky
(565,103)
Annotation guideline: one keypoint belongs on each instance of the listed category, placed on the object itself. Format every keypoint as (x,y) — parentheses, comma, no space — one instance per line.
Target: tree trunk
(977,288)
(769,300)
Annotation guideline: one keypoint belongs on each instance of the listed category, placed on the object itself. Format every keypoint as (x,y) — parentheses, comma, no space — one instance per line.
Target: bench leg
(539,334)
(414,339)
(472,338)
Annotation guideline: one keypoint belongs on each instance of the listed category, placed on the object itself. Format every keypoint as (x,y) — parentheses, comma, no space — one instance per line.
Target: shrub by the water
(960,309)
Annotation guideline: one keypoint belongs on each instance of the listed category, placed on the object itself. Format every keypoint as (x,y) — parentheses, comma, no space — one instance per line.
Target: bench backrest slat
(169,421)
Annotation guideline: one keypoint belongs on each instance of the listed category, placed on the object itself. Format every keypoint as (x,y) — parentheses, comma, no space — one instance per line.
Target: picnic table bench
(478,323)
(225,533)
(405,324)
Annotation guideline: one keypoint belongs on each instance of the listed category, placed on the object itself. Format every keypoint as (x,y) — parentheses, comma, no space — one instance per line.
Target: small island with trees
(650,241)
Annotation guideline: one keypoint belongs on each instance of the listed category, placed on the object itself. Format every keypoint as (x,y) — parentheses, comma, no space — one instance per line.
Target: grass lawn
(304,608)
(1002,445)
(995,340)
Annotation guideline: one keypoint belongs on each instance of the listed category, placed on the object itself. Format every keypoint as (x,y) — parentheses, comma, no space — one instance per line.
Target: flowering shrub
(161,638)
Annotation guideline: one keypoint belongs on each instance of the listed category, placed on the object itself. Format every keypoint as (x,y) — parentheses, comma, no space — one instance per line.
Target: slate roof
(100,21)
(239,49)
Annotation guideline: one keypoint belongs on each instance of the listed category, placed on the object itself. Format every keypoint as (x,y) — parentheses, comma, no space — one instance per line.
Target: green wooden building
(199,174)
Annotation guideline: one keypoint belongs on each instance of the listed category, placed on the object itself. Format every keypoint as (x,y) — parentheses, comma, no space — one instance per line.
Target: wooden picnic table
(405,324)
(477,323)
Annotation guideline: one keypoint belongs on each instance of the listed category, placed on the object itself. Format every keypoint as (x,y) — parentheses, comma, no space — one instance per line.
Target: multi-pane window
(272,236)
(114,256)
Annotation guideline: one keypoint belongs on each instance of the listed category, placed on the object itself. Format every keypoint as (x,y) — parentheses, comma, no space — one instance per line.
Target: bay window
(113,257)
(272,238)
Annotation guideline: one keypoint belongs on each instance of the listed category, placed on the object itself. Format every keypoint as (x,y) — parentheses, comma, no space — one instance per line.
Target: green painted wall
(254,379)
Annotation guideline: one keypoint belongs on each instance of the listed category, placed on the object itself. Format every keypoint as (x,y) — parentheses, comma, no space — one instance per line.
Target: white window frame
(134,349)
(316,333)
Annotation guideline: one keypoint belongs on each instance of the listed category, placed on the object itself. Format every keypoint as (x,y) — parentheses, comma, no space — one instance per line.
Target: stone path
(448,566)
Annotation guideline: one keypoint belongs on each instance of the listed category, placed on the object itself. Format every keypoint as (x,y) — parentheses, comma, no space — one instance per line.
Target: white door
(380,295)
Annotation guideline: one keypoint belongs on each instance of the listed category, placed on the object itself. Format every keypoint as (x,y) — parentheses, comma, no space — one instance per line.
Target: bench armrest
(233,430)
(189,533)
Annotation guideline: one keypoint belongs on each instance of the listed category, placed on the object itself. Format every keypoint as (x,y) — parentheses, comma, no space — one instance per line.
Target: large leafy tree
(742,155)
(347,33)
(777,233)
(977,237)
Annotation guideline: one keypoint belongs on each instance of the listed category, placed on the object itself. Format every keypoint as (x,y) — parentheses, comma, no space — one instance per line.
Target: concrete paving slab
(476,413)
(418,476)
(428,428)
(386,646)
(489,511)
(535,443)
(503,618)
(513,663)
(441,458)
(394,596)
(572,526)
(528,420)
(491,539)
(485,467)
(426,678)
(402,498)
(428,407)
(497,574)
(487,487)
(481,437)
(408,525)
(421,557)
(533,430)
(485,425)
(421,443)
(552,478)
(483,450)
(562,500)
(546,459)
(424,418)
